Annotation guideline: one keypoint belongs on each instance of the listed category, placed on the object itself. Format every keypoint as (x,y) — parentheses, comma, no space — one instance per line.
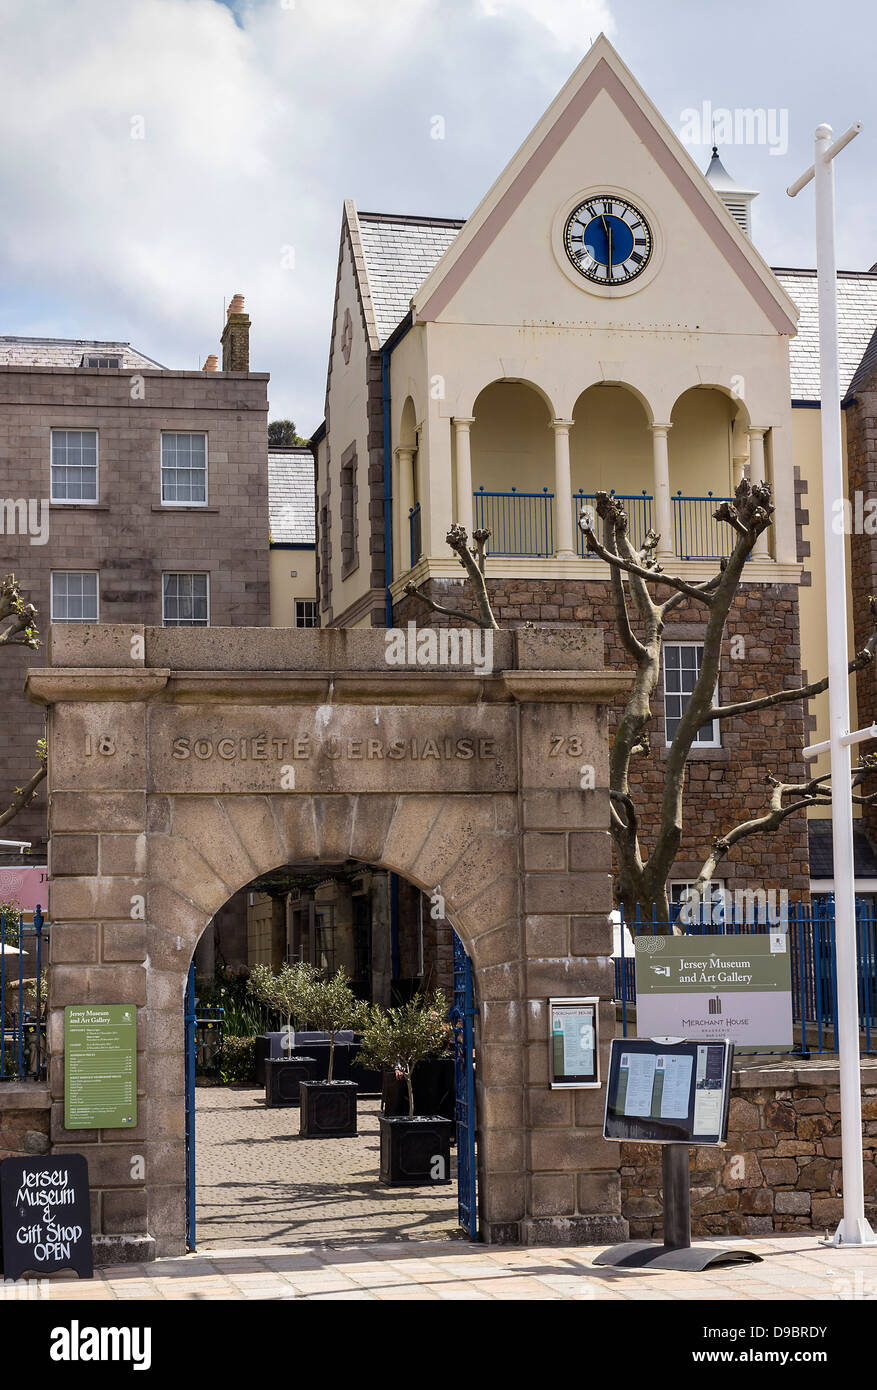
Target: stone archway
(183,763)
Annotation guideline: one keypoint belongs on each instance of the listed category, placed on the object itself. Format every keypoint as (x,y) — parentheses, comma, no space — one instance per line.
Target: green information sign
(100,1066)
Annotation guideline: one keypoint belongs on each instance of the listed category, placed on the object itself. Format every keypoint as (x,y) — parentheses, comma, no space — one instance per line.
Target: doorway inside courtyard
(253,1178)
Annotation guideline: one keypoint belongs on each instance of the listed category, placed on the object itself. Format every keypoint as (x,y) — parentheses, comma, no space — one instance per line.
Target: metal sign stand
(677,1252)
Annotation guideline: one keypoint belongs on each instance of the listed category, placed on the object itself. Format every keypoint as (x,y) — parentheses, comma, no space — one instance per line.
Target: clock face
(608,240)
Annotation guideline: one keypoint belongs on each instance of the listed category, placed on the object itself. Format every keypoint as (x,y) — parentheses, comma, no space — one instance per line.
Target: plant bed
(283,1077)
(415,1150)
(328,1109)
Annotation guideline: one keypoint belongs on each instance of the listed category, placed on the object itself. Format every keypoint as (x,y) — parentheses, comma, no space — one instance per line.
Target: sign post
(854,1228)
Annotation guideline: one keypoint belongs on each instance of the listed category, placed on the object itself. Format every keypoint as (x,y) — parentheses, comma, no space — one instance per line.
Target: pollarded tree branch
(25,795)
(473,562)
(803,692)
(655,574)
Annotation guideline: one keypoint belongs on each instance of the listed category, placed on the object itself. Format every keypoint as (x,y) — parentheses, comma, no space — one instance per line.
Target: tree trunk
(410,1094)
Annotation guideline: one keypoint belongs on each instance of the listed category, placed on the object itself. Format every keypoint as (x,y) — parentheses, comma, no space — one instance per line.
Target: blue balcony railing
(520,523)
(696,533)
(639,516)
(414,532)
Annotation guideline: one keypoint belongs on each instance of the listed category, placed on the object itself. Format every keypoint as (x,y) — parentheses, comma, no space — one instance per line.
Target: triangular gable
(602,70)
(350,234)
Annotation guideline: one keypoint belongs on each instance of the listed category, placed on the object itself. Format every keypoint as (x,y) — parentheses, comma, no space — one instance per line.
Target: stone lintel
(568,687)
(48,686)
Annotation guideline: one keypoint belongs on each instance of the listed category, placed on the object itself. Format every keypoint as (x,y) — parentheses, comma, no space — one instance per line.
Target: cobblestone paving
(794,1267)
(258,1181)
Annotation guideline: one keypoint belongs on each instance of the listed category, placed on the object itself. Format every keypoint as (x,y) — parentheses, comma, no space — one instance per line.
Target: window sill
(183,507)
(701,752)
(79,506)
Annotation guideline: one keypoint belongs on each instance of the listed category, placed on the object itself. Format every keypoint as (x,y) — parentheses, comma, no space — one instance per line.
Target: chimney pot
(212,363)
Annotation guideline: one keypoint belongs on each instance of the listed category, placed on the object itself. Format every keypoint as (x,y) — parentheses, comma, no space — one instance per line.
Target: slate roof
(399,254)
(68,352)
(291,504)
(822,855)
(401,251)
(857,320)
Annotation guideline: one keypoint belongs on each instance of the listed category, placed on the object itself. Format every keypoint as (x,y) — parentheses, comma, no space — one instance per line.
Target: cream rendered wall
(347,423)
(512,444)
(284,589)
(700,444)
(517,314)
(806,426)
(609,444)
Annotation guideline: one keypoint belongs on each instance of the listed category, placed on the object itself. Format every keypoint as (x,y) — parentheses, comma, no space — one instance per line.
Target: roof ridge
(411,218)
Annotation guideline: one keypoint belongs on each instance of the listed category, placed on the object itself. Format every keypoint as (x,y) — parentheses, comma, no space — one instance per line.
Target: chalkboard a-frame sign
(46,1216)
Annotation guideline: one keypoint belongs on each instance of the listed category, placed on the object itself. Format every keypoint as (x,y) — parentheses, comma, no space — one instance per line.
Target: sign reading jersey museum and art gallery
(713,986)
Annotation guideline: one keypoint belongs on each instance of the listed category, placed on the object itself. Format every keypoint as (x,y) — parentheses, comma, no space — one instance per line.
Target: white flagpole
(854,1229)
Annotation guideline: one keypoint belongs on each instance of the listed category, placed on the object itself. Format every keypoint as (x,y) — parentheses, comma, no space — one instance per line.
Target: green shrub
(237,1059)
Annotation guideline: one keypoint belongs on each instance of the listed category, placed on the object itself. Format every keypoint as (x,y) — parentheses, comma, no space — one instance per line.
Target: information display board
(100,1066)
(668,1092)
(713,986)
(574,1053)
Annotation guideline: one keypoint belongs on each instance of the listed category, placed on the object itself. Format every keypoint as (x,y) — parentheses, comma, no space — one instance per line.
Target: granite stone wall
(725,785)
(781,1167)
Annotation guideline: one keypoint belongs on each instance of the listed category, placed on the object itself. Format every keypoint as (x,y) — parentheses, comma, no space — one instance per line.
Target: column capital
(658,428)
(463,421)
(757,431)
(562,424)
(404,451)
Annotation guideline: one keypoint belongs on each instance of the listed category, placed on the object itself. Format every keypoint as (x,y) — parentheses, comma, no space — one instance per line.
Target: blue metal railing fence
(22,1006)
(696,533)
(520,523)
(811,932)
(638,506)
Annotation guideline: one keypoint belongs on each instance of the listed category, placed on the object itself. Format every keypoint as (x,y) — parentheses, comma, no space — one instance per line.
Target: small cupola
(736,198)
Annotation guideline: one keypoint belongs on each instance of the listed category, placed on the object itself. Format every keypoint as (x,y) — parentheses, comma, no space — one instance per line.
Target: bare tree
(634,574)
(18,629)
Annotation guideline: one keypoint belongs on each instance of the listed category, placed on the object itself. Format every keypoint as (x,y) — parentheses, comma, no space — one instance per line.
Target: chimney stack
(236,337)
(212,363)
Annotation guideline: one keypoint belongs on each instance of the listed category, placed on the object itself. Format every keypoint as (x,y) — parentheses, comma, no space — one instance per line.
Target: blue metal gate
(189,1016)
(463,1021)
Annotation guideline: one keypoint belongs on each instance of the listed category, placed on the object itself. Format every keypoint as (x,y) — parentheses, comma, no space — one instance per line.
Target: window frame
(716,740)
(315,613)
(74,501)
(165,574)
(73,622)
(204,434)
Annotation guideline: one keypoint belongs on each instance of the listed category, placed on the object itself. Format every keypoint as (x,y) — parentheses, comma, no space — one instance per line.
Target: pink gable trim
(603,78)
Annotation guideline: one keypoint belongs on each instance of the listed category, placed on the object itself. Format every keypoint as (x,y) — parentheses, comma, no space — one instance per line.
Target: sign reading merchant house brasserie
(737,987)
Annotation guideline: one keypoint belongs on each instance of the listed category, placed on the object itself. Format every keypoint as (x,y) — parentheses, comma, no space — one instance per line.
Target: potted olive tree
(415,1149)
(286,992)
(328,1108)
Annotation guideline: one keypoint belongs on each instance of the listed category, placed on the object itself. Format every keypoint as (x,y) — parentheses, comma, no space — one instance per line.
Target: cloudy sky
(160,155)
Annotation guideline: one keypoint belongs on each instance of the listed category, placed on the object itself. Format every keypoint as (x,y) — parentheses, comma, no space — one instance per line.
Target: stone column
(405,494)
(758,474)
(662,518)
(100,946)
(573,1182)
(464,470)
(564,541)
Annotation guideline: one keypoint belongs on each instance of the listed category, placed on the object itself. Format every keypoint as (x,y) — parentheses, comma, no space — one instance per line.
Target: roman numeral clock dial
(608,240)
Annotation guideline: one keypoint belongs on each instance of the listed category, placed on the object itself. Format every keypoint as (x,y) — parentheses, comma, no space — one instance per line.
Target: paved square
(258,1181)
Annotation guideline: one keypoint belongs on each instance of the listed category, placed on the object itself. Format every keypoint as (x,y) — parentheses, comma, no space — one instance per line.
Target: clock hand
(607,231)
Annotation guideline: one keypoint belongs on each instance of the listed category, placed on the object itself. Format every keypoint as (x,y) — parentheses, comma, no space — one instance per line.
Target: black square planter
(284,1076)
(328,1109)
(415,1152)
